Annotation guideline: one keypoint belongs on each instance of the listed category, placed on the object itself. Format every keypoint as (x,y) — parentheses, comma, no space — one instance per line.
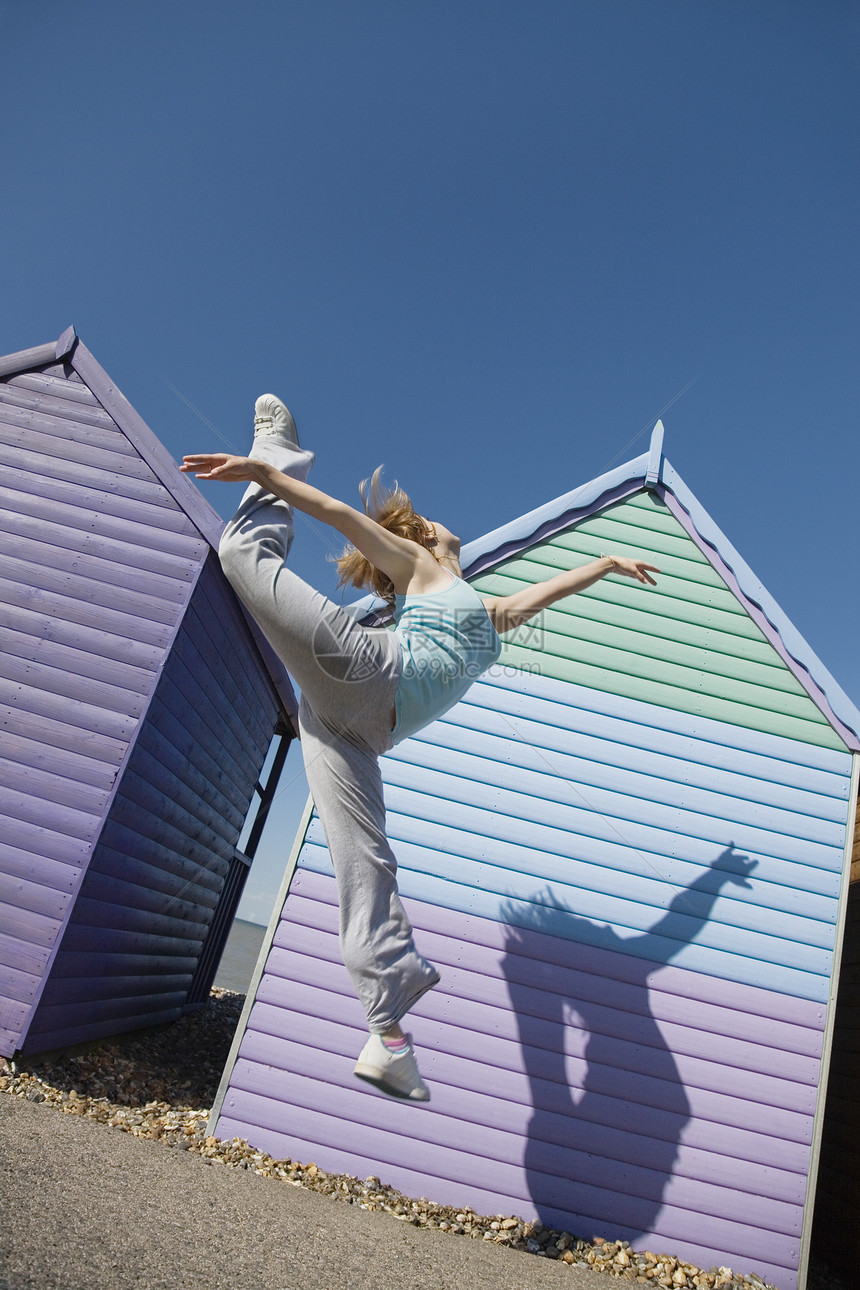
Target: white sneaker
(273,417)
(392,1073)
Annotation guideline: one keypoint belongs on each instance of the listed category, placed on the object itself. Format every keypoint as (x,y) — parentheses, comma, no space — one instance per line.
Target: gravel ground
(160,1085)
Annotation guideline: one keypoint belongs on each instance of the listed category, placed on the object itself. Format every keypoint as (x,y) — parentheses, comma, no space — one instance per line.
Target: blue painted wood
(716,951)
(316,907)
(580,755)
(561,703)
(549,779)
(596,812)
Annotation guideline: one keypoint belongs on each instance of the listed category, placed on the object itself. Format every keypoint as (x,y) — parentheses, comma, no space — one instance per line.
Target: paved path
(85,1207)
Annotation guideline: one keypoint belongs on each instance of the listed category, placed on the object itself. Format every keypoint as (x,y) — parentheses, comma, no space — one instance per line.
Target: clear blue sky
(486,243)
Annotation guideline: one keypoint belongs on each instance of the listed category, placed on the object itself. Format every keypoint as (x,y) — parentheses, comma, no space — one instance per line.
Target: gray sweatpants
(348,678)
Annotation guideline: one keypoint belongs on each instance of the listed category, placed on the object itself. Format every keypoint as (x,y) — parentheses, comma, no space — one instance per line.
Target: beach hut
(628,852)
(138,709)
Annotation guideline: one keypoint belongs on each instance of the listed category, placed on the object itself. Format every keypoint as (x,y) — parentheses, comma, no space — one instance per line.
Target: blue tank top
(446,642)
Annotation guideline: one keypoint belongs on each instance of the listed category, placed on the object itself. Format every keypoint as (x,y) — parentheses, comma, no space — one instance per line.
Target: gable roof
(71,351)
(651,470)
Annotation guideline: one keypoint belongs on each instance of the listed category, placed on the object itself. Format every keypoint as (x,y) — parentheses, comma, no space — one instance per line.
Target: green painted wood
(687,644)
(600,618)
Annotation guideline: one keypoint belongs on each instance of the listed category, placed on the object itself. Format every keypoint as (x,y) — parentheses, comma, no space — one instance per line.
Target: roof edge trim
(655,457)
(65,344)
(150,447)
(544,521)
(185,493)
(25,359)
(777,627)
(535,526)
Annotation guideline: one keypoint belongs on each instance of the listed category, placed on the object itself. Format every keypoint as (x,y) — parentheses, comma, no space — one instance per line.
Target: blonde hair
(392,509)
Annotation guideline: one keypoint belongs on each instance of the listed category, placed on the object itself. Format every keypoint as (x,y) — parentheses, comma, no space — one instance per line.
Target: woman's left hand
(637,569)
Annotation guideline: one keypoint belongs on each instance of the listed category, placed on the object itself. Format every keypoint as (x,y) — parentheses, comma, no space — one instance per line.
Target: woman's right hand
(223,466)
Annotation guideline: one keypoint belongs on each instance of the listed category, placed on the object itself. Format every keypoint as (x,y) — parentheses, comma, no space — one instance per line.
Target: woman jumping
(365,689)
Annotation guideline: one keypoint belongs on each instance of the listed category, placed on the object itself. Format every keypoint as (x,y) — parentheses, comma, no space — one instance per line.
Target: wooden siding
(688,644)
(838,1196)
(624,851)
(96,564)
(158,872)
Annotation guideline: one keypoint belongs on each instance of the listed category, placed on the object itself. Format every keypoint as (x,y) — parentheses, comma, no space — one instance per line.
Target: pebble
(159,1084)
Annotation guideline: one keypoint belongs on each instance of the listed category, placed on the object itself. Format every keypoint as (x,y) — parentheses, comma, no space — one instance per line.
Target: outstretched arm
(508,612)
(394,555)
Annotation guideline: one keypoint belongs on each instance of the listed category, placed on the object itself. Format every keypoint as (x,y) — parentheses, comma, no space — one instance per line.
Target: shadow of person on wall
(608,1102)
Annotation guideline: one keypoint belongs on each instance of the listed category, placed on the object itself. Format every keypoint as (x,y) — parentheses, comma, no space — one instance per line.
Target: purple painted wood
(74,659)
(123,805)
(67,709)
(65,343)
(464,930)
(95,641)
(128,551)
(184,492)
(20,454)
(473,975)
(25,358)
(758,1248)
(58,386)
(689,1114)
(458,1095)
(131,630)
(145,589)
(19,749)
(500,1143)
(73,508)
(160,530)
(48,405)
(81,577)
(52,679)
(57,435)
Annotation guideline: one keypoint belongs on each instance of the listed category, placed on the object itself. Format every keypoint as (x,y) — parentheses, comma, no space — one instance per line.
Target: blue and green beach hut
(628,850)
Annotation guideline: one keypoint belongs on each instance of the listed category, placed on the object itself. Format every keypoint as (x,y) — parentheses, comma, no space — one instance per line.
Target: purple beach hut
(629,851)
(137,710)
